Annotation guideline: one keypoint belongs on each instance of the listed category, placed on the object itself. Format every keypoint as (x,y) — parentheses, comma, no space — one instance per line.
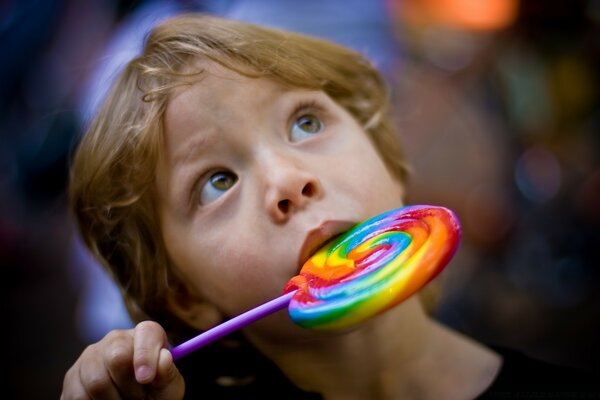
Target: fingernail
(143,374)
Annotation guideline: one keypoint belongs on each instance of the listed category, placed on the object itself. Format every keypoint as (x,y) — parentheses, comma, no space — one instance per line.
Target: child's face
(254,176)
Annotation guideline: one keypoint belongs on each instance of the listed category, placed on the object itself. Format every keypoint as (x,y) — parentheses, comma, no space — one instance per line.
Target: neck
(393,355)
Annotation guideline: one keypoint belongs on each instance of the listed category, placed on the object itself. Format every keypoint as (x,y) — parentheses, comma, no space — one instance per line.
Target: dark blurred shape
(47,49)
(363,26)
(538,175)
(502,125)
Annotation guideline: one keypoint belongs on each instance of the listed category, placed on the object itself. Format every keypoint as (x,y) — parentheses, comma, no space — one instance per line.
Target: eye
(305,126)
(216,186)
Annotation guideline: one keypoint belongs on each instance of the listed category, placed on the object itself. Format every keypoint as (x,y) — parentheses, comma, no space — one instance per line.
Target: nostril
(284,206)
(308,190)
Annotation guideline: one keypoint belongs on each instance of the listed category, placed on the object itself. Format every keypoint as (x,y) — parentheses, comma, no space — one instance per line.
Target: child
(216,155)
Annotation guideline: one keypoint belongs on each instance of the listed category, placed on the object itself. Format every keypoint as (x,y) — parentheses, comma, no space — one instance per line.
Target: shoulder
(523,374)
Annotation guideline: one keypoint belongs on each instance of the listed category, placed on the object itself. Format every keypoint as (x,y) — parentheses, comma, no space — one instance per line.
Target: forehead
(218,92)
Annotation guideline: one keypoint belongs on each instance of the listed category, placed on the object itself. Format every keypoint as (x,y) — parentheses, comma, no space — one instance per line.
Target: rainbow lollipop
(366,271)
(373,267)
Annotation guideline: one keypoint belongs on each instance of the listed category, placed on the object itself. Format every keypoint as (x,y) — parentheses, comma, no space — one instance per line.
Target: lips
(317,237)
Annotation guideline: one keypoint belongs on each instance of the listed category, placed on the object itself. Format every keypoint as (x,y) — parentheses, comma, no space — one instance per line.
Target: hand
(126,364)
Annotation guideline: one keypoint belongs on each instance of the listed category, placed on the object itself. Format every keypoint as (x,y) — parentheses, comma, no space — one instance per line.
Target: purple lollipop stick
(231,325)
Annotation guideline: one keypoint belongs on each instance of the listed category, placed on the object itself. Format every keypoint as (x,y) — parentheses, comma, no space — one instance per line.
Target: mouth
(317,237)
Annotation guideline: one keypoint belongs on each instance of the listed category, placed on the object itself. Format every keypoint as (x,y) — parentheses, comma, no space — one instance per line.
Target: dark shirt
(235,370)
(522,377)
(232,369)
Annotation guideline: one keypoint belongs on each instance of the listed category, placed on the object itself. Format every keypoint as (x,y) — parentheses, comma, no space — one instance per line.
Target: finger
(149,337)
(94,376)
(117,356)
(72,386)
(169,383)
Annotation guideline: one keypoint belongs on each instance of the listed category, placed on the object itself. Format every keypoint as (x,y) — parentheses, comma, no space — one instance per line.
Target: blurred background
(497,105)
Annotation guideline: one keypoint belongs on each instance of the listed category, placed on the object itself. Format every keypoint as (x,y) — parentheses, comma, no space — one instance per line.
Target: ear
(193,309)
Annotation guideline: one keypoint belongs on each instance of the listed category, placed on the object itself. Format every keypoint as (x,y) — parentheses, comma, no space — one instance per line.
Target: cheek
(368,177)
(233,271)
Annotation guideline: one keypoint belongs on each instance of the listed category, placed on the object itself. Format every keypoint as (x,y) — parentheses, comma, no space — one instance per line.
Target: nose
(289,188)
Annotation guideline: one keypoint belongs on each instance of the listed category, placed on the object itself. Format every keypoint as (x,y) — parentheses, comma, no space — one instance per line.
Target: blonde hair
(113,171)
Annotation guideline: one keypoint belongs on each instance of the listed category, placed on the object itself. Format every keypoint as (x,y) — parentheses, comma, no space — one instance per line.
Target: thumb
(169,383)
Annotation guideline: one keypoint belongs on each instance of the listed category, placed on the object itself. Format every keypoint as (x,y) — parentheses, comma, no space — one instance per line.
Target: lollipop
(373,267)
(364,272)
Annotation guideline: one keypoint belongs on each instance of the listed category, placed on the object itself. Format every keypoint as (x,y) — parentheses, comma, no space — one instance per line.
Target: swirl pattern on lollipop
(373,267)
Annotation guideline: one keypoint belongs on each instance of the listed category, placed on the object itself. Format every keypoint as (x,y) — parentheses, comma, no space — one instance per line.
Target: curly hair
(113,172)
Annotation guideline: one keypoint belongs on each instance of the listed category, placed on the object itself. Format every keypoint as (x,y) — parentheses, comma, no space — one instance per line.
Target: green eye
(216,186)
(305,126)
(222,181)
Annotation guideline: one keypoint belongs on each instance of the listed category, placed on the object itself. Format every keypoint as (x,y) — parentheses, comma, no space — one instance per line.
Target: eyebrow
(194,148)
(182,164)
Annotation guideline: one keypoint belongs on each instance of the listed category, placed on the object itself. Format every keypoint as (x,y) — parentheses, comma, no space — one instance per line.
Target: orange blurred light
(477,15)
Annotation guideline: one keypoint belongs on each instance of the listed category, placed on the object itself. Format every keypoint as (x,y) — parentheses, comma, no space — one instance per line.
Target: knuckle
(96,384)
(116,336)
(146,326)
(112,335)
(69,375)
(119,356)
(90,350)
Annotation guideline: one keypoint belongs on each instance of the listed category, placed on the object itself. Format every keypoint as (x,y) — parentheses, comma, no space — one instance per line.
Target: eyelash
(305,107)
(199,183)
